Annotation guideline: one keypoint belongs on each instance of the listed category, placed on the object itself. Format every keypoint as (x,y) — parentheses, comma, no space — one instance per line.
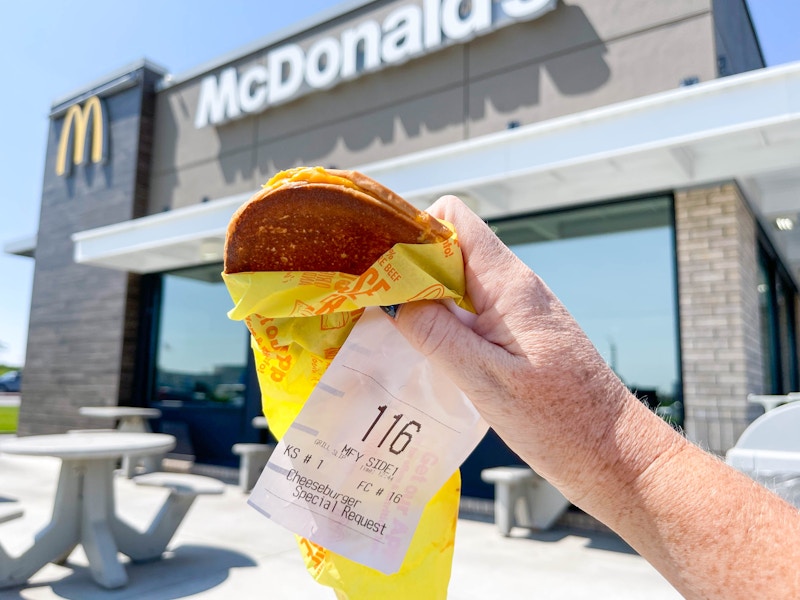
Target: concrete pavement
(225,549)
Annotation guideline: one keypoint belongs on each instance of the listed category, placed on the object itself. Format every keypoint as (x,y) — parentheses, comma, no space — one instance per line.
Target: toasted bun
(313,219)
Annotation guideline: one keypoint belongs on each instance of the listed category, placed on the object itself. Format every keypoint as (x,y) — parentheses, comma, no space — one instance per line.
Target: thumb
(448,342)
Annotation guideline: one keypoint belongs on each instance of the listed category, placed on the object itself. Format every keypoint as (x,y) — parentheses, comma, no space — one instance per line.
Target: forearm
(718,534)
(710,530)
(536,378)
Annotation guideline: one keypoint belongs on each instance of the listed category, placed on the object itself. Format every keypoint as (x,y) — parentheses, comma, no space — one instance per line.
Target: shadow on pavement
(184,571)
(598,540)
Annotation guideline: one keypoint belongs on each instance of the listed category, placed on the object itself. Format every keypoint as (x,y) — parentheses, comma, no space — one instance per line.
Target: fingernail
(391,310)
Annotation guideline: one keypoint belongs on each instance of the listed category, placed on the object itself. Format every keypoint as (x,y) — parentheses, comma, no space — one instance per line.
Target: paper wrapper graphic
(298,321)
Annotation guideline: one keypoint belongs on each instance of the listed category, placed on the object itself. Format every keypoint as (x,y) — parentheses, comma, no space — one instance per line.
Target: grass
(8,418)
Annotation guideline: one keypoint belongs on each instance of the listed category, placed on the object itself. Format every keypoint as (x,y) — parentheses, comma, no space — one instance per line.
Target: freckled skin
(539,382)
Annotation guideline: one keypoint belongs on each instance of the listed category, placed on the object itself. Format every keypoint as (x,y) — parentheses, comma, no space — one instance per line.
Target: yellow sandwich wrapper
(298,321)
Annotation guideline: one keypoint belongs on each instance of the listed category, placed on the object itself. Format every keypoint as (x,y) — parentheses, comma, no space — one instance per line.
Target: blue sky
(51,48)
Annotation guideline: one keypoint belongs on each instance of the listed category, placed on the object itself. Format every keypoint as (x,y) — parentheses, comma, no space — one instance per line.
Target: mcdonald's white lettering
(408,31)
(363,41)
(219,100)
(527,9)
(253,89)
(285,72)
(459,28)
(402,34)
(323,63)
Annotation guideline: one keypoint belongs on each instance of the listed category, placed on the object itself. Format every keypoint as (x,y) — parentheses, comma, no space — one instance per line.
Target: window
(201,355)
(766,326)
(200,368)
(777,299)
(786,332)
(613,266)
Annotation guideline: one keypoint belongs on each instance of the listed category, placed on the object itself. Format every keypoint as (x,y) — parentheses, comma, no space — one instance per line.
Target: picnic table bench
(253,457)
(523,498)
(84,509)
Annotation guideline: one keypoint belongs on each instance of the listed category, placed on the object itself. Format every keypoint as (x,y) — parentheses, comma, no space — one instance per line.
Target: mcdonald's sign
(81,122)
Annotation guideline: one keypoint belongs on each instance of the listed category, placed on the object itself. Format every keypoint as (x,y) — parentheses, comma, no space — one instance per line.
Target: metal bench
(523,498)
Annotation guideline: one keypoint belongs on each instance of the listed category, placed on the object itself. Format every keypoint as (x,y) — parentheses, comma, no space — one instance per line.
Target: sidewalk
(225,549)
(9,399)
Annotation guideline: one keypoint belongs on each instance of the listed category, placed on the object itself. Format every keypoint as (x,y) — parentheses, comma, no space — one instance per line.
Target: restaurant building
(636,154)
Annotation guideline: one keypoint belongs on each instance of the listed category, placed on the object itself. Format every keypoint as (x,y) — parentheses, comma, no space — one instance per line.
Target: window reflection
(613,266)
(201,355)
(786,327)
(765,321)
(777,300)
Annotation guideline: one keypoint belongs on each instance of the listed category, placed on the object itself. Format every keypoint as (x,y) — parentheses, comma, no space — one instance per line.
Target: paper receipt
(379,435)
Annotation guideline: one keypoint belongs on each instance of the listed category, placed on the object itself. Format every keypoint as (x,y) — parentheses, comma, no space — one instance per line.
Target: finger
(470,227)
(489,263)
(450,344)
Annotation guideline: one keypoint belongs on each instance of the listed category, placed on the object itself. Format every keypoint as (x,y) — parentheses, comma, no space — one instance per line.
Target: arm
(540,383)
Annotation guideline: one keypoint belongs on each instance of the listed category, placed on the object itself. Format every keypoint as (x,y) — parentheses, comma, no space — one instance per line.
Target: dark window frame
(773,363)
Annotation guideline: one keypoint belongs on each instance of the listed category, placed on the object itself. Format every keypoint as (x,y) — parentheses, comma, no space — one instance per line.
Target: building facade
(634,153)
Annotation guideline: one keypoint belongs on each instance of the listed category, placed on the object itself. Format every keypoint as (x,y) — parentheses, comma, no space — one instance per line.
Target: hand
(525,363)
(538,381)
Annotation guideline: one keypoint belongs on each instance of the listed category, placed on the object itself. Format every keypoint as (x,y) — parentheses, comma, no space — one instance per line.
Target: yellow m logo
(79,122)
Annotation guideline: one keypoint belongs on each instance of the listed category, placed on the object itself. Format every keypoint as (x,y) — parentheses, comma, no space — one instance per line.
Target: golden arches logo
(79,122)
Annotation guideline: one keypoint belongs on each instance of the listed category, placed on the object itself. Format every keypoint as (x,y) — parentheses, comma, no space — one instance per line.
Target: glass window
(201,355)
(785,325)
(201,367)
(766,324)
(613,266)
(778,328)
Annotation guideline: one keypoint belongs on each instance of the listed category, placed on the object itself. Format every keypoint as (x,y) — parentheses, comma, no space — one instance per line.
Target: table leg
(505,507)
(151,463)
(96,536)
(151,544)
(134,424)
(129,466)
(58,538)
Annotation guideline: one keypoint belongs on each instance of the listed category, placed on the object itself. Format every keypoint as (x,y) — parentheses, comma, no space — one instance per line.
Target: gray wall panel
(415,125)
(585,54)
(79,347)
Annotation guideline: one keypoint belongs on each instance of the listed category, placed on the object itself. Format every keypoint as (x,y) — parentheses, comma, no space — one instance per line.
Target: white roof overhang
(24,246)
(169,240)
(744,128)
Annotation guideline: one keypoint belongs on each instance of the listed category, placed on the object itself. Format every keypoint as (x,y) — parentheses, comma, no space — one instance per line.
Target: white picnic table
(131,419)
(769,451)
(772,401)
(84,507)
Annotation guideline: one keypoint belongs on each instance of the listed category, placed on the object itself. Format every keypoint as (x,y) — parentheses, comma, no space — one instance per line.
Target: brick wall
(83,319)
(718,304)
